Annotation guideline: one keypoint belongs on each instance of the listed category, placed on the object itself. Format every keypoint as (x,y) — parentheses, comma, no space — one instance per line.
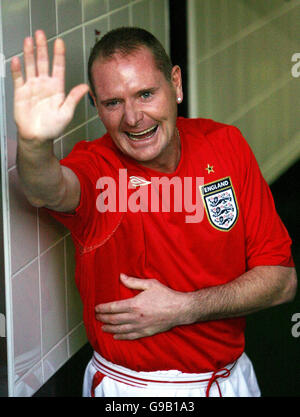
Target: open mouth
(145,134)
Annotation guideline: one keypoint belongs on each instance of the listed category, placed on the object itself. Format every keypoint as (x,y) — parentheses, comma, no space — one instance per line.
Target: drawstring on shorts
(146,379)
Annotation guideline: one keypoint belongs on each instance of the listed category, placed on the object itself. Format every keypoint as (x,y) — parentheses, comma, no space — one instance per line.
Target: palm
(38,112)
(41,109)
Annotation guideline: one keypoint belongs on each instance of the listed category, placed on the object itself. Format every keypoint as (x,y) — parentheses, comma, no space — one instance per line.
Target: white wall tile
(30,383)
(26,319)
(23,225)
(50,230)
(53,296)
(55,359)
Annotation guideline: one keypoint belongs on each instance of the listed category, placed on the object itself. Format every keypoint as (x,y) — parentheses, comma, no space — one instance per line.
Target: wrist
(186,309)
(34,142)
(35,148)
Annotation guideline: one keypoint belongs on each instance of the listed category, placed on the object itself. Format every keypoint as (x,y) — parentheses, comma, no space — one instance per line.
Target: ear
(93,99)
(176,80)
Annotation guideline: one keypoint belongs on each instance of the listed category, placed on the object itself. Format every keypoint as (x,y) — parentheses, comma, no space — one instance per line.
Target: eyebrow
(146,90)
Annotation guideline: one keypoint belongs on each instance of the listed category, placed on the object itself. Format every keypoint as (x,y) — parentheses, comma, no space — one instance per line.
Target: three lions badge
(220,203)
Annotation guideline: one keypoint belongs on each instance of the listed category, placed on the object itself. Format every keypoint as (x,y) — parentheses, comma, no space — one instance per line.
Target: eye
(146,95)
(111,104)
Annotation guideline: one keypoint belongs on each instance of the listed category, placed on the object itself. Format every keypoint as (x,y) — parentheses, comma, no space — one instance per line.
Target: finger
(122,306)
(128,336)
(74,97)
(135,283)
(29,61)
(118,329)
(59,64)
(41,53)
(16,72)
(116,319)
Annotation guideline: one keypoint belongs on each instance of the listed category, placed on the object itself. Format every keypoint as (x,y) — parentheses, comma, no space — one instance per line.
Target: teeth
(141,133)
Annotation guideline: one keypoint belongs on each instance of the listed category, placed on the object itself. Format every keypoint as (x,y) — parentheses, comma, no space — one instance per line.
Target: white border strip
(6,233)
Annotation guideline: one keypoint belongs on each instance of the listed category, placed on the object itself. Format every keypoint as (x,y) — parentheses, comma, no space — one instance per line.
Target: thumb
(134,283)
(74,96)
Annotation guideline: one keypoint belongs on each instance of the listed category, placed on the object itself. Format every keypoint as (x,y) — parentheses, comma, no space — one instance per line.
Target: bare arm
(261,287)
(158,308)
(42,112)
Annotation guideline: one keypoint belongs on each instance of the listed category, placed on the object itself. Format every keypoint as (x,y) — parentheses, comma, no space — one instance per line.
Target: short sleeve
(267,240)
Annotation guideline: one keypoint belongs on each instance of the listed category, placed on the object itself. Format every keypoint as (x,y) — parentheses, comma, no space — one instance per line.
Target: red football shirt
(239,229)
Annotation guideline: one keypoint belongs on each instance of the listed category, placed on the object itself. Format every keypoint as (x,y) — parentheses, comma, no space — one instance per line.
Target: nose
(132,114)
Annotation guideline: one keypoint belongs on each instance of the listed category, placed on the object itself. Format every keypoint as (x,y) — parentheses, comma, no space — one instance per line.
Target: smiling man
(164,299)
(136,103)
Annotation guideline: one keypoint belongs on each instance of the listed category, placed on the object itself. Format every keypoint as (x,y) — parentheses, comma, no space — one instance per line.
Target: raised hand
(41,109)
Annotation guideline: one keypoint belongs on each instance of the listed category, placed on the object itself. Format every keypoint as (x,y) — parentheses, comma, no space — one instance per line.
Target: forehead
(137,67)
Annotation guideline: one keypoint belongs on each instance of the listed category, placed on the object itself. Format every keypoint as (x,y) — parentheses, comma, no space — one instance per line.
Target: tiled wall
(43,307)
(240,73)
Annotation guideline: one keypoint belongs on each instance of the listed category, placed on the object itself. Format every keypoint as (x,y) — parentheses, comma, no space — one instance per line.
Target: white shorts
(105,379)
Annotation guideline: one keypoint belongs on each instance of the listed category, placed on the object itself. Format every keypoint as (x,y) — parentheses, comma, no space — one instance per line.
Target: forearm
(40,172)
(261,287)
(158,308)
(42,111)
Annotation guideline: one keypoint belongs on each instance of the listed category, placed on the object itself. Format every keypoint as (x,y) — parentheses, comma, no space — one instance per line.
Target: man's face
(137,105)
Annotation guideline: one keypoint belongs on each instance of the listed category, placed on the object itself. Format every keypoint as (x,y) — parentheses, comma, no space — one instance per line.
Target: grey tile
(70,140)
(77,339)
(74,303)
(93,32)
(120,18)
(75,71)
(69,14)
(94,9)
(116,4)
(16,25)
(11,129)
(141,15)
(43,16)
(96,129)
(159,20)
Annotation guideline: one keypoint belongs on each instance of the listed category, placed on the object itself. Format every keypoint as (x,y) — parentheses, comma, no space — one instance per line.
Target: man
(164,293)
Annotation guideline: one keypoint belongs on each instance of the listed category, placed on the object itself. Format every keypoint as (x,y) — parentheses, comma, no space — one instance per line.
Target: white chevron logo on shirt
(136,181)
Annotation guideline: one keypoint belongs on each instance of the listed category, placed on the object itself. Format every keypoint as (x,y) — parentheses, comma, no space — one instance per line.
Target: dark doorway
(178,45)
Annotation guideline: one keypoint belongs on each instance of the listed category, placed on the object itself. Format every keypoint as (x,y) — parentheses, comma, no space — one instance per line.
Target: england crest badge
(220,203)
